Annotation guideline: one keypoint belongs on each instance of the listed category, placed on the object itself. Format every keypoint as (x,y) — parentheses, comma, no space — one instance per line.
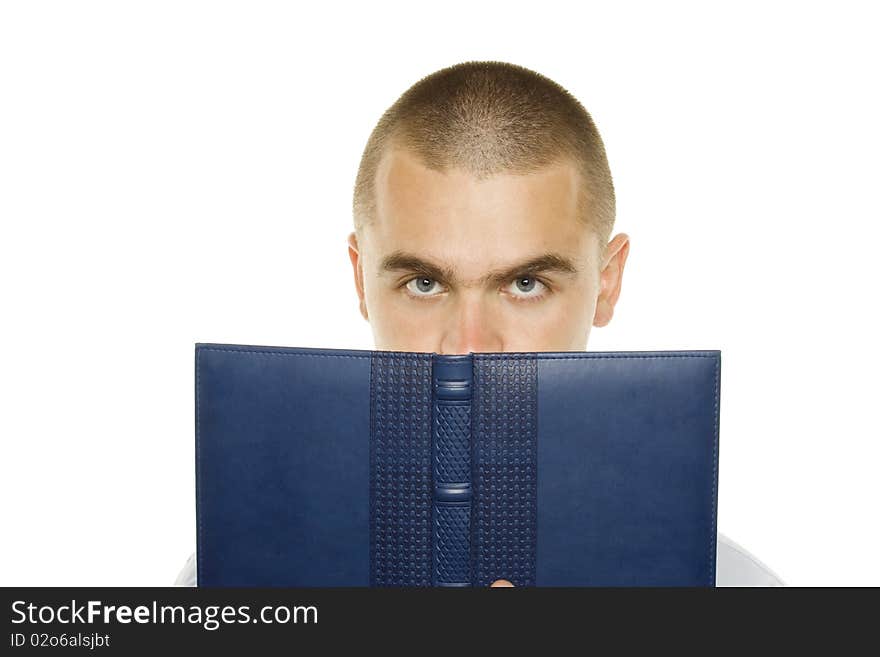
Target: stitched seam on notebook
(587,355)
(509,356)
(284,353)
(473,534)
(534,438)
(712,528)
(372,354)
(370,492)
(198,469)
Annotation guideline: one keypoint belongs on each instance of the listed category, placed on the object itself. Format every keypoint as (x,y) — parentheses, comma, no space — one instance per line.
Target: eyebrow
(402,261)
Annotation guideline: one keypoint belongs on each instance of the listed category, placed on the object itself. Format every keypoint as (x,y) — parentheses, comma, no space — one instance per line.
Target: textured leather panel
(505,468)
(452,544)
(400,463)
(282,466)
(627,468)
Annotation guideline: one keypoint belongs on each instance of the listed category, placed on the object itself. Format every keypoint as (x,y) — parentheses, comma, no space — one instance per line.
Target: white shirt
(734,566)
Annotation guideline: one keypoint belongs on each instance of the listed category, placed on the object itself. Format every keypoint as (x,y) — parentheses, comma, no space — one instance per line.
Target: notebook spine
(451,457)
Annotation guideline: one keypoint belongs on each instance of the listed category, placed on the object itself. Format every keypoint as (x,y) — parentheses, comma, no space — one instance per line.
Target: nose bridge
(471,326)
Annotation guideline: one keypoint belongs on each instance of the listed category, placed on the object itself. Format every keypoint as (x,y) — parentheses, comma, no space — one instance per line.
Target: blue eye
(421,286)
(527,288)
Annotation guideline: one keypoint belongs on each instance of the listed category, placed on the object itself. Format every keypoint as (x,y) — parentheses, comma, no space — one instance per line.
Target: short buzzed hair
(487,118)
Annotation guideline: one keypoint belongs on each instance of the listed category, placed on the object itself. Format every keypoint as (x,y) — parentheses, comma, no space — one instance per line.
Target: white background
(174,172)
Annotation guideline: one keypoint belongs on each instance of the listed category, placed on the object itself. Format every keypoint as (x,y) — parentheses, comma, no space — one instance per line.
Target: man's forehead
(417,205)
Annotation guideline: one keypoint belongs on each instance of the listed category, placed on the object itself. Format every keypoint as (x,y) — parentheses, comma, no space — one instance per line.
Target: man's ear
(611,278)
(357,266)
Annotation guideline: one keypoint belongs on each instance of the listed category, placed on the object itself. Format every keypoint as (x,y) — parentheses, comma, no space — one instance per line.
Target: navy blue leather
(282,467)
(627,468)
(325,467)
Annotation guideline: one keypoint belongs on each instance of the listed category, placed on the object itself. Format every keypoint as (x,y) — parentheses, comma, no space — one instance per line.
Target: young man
(483,212)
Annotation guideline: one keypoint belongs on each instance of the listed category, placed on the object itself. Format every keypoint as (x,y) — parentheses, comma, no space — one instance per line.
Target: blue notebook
(331,467)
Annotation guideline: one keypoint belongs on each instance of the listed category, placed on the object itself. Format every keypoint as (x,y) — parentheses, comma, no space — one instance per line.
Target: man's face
(453,264)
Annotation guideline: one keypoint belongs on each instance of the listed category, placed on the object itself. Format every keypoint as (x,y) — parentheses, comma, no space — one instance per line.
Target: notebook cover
(331,467)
